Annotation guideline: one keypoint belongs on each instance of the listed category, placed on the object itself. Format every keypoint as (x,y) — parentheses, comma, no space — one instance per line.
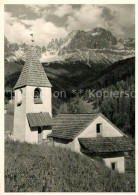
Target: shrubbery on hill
(42,168)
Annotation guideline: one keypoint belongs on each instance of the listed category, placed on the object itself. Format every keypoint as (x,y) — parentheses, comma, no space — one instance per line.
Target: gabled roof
(33,73)
(106,144)
(39,119)
(69,126)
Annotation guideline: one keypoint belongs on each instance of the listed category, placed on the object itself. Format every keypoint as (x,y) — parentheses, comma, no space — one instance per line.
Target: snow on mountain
(97,46)
(95,33)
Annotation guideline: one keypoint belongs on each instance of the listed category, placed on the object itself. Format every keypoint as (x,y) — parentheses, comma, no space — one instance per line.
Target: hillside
(67,75)
(43,168)
(118,71)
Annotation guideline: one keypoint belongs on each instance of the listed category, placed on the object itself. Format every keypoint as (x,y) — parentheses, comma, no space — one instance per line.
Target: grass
(43,168)
(8,118)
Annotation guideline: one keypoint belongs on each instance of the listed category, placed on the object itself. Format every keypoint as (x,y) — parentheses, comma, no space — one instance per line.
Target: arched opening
(37,92)
(37,96)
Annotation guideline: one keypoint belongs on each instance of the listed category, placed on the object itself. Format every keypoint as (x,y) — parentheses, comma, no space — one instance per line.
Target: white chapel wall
(31,135)
(46,132)
(19,116)
(46,99)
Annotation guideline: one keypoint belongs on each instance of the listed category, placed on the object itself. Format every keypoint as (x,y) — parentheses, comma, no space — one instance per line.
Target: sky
(50,21)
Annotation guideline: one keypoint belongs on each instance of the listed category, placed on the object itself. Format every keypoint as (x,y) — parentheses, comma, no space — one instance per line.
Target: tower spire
(33,73)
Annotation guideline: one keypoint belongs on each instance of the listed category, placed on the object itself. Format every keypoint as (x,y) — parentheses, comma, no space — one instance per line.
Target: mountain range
(77,59)
(97,47)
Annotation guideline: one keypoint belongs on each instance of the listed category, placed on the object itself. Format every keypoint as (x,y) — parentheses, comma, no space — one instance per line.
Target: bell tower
(32,109)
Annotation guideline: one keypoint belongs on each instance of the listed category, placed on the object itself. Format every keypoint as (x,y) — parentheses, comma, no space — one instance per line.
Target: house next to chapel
(93,135)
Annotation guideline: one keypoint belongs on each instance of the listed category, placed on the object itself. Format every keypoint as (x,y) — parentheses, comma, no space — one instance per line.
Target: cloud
(116,18)
(56,21)
(15,31)
(58,10)
(62,10)
(37,9)
(88,17)
(124,18)
(43,31)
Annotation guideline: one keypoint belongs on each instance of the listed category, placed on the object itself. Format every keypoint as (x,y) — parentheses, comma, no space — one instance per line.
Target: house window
(37,96)
(113,166)
(98,128)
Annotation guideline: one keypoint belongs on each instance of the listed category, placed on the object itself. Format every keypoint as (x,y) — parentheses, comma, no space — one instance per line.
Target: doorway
(40,134)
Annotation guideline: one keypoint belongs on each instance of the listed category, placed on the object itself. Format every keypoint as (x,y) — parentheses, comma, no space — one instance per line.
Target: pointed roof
(33,73)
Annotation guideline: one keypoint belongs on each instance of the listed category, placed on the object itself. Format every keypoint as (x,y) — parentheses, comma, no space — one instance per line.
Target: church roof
(39,119)
(33,73)
(106,144)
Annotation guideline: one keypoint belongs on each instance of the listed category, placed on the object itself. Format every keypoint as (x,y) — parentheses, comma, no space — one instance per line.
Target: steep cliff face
(98,38)
(53,45)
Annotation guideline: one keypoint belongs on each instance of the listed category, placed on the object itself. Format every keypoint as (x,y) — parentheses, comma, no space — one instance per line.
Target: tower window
(37,96)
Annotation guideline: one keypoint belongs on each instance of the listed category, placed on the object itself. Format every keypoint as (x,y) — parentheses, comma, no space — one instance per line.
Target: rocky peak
(104,34)
(98,38)
(53,44)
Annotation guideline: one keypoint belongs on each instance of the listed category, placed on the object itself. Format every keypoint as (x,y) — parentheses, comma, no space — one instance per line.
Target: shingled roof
(39,119)
(68,126)
(33,73)
(106,144)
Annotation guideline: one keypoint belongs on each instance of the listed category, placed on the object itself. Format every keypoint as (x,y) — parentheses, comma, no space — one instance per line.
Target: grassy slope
(40,168)
(8,117)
